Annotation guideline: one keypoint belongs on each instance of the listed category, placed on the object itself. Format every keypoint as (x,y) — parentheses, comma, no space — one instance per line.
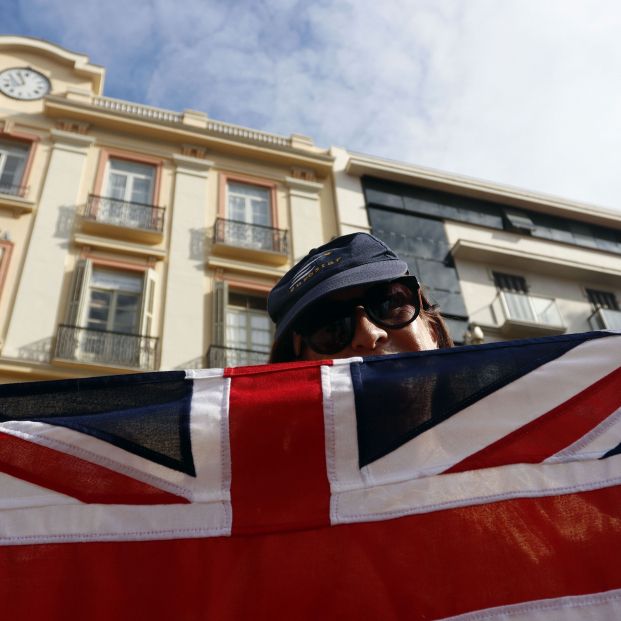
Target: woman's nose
(367,335)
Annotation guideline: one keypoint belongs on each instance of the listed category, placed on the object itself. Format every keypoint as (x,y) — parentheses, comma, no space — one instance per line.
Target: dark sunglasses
(329,326)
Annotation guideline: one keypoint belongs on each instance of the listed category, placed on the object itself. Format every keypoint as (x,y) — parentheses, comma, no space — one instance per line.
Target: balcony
(103,348)
(254,242)
(605,319)
(219,357)
(112,216)
(523,315)
(13,190)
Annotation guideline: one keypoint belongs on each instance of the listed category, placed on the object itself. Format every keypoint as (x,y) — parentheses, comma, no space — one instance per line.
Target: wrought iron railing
(105,347)
(219,357)
(605,319)
(124,213)
(245,235)
(13,190)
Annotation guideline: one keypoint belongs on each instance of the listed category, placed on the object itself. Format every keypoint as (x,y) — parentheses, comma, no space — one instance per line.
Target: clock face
(23,83)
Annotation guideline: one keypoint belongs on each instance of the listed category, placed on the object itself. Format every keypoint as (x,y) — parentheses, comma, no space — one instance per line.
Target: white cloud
(524,92)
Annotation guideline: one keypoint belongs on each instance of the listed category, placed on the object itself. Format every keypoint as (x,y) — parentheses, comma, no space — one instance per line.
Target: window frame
(31,141)
(271,186)
(101,176)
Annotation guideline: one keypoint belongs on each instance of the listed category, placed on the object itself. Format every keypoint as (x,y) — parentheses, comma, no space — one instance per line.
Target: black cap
(355,259)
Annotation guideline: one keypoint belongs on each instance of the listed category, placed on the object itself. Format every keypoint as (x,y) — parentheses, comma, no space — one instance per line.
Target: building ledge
(16,204)
(252,255)
(241,266)
(132,235)
(527,260)
(117,245)
(360,165)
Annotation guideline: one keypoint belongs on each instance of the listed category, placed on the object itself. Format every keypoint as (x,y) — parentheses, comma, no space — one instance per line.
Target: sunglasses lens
(329,327)
(332,337)
(394,306)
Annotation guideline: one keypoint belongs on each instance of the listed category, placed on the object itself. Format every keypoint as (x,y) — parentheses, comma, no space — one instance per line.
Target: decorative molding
(304,174)
(115,245)
(70,140)
(192,165)
(195,151)
(70,125)
(232,265)
(303,186)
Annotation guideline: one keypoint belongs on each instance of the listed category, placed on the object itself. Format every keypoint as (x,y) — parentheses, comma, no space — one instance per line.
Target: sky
(519,92)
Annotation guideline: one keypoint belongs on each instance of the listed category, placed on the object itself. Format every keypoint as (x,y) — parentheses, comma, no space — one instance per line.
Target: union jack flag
(481,482)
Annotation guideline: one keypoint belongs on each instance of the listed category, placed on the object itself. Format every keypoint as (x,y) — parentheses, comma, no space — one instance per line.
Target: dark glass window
(510,282)
(602,299)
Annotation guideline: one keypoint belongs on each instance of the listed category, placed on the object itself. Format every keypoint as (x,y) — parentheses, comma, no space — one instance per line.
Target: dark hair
(282,349)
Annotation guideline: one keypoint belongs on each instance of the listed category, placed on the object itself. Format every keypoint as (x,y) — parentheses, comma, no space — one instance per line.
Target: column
(37,303)
(305,216)
(183,337)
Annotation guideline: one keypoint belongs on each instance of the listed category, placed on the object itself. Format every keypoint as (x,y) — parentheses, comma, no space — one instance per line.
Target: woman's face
(371,339)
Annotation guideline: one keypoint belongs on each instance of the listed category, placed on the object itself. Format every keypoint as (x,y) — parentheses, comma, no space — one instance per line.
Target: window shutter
(148,303)
(220,300)
(78,292)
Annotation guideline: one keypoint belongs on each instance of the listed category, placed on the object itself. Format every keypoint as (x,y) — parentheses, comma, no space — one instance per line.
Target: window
(110,317)
(509,282)
(248,325)
(520,306)
(127,196)
(249,216)
(242,330)
(518,221)
(249,203)
(607,315)
(114,301)
(602,299)
(130,181)
(13,158)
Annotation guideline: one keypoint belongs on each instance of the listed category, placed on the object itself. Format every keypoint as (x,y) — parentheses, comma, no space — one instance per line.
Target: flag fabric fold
(482,482)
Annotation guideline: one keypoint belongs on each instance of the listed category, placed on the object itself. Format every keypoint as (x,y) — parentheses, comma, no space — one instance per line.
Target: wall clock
(23,83)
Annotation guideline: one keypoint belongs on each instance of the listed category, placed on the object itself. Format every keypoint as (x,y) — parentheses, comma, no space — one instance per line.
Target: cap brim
(361,275)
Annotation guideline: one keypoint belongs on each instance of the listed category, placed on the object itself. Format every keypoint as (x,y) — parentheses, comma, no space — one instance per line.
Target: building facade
(502,263)
(134,238)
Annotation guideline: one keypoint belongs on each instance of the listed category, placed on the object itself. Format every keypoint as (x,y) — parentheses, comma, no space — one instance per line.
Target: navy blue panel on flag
(399,397)
(147,414)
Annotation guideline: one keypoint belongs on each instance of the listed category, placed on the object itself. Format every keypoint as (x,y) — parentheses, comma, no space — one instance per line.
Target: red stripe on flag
(550,433)
(418,567)
(76,477)
(278,462)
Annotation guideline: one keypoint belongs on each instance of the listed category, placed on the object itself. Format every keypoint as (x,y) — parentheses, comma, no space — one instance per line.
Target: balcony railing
(254,236)
(106,348)
(531,308)
(605,319)
(219,357)
(524,315)
(13,190)
(124,213)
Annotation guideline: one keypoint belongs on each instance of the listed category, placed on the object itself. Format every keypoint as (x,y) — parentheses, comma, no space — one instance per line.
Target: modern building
(134,238)
(502,263)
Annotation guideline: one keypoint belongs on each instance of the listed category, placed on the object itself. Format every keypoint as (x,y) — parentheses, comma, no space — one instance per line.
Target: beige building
(503,263)
(135,238)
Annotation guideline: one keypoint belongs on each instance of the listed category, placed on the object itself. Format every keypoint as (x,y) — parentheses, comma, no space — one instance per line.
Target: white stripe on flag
(498,414)
(473,487)
(593,607)
(603,438)
(209,441)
